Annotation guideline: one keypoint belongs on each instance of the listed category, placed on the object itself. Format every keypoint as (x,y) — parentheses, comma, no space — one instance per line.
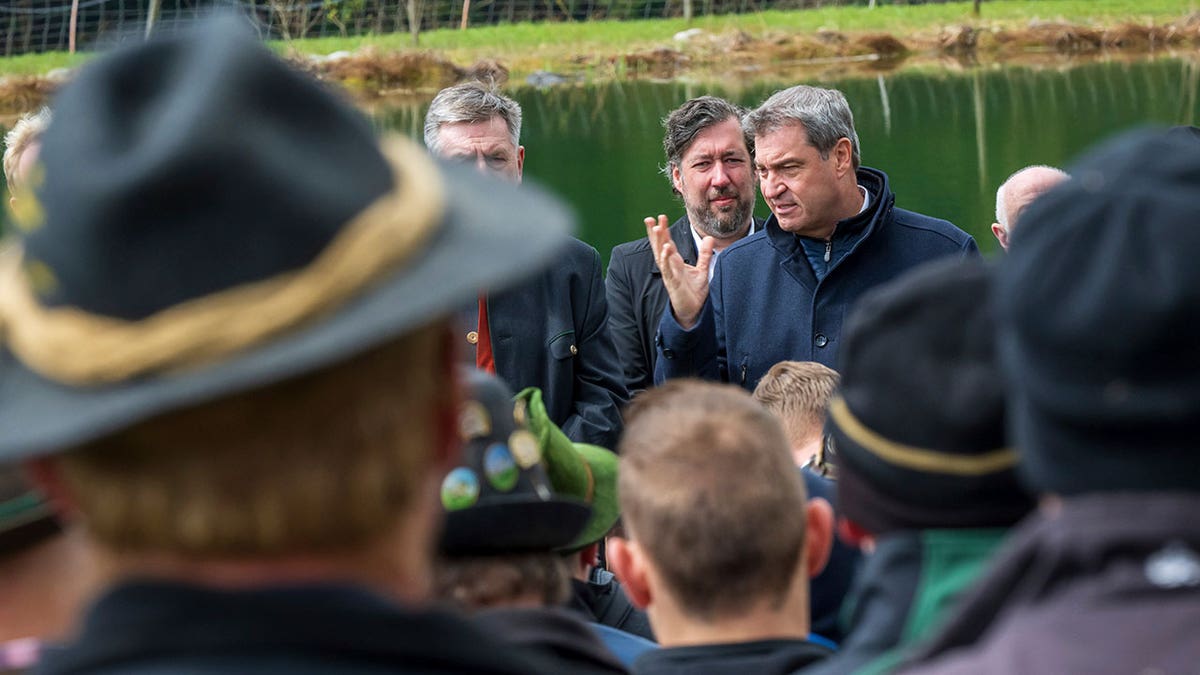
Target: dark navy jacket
(765,304)
(552,332)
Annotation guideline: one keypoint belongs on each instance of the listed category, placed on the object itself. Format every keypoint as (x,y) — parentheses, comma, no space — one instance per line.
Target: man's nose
(481,164)
(720,175)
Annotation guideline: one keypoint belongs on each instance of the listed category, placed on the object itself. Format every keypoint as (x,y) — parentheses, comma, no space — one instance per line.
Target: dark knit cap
(1099,303)
(919,421)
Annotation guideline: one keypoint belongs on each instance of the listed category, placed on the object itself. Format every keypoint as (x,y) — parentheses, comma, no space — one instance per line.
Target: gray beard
(722,225)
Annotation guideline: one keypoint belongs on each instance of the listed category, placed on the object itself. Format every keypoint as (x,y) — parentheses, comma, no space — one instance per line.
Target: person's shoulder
(927,226)
(631,250)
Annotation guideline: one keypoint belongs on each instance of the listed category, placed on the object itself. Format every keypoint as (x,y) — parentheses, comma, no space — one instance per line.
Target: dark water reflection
(947,139)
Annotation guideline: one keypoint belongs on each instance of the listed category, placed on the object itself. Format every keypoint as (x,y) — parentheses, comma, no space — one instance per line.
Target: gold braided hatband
(918,459)
(75,347)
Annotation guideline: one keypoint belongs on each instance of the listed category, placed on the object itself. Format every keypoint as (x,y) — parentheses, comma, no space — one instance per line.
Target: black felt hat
(1099,303)
(499,499)
(208,220)
(919,420)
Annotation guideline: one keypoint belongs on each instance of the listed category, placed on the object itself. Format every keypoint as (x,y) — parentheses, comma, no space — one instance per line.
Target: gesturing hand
(687,286)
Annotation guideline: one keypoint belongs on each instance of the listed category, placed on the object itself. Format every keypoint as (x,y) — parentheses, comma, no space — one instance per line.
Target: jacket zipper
(828,250)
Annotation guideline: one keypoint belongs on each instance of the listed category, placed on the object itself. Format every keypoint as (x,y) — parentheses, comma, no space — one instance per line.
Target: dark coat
(636,299)
(763,657)
(556,634)
(765,304)
(1108,583)
(160,628)
(904,592)
(551,332)
(602,600)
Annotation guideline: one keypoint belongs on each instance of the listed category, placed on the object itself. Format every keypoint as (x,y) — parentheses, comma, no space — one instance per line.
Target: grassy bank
(607,49)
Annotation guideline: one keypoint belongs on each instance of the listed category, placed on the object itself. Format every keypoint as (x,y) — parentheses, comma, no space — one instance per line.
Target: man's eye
(701,166)
(497,160)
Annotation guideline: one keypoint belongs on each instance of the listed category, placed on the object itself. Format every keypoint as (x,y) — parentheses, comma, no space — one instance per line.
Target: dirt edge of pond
(371,75)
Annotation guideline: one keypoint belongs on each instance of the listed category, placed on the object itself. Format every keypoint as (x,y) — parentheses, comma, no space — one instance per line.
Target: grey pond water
(947,139)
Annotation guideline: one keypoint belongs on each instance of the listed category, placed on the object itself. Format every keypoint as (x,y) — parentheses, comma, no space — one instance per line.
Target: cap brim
(492,235)
(513,526)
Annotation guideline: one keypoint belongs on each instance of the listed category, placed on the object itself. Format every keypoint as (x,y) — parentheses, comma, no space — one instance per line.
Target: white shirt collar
(712,263)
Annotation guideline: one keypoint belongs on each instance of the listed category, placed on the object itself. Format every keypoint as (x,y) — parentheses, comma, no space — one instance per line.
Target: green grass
(524,46)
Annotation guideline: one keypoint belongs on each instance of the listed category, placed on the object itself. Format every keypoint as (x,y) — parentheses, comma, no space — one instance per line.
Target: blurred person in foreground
(1017,192)
(721,540)
(1099,325)
(550,332)
(710,165)
(227,357)
(797,393)
(505,523)
(926,478)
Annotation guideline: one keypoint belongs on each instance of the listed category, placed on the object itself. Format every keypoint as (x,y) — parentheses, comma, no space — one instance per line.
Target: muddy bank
(372,75)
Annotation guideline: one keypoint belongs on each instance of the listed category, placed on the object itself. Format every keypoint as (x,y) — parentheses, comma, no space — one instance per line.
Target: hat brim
(605,509)
(515,525)
(492,235)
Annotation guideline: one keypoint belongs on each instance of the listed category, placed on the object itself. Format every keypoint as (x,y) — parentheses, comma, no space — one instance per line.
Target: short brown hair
(709,491)
(324,462)
(798,393)
(479,582)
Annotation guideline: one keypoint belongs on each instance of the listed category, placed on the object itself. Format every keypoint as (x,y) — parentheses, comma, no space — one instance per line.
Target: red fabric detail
(483,350)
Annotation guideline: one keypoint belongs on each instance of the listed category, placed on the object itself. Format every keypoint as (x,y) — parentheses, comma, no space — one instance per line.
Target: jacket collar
(681,236)
(852,231)
(1156,536)
(910,574)
(175,622)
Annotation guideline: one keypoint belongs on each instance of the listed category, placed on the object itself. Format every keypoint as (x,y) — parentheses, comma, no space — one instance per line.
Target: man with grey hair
(552,331)
(834,233)
(1018,192)
(710,166)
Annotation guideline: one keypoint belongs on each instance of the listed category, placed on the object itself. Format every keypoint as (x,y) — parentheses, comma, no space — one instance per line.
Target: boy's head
(713,506)
(798,393)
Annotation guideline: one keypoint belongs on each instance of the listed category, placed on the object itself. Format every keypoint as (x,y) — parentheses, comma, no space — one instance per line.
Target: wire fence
(30,26)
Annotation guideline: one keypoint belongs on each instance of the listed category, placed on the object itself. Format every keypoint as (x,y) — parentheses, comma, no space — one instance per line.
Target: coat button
(574,350)
(820,340)
(668,353)
(473,337)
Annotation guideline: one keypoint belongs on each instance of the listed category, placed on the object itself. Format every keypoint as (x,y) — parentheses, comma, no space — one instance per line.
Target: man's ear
(818,535)
(676,178)
(627,561)
(1001,235)
(843,155)
(587,557)
(520,162)
(852,534)
(45,474)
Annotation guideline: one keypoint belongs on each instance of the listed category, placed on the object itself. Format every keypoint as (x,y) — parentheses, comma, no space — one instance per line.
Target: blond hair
(798,392)
(327,461)
(27,131)
(709,491)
